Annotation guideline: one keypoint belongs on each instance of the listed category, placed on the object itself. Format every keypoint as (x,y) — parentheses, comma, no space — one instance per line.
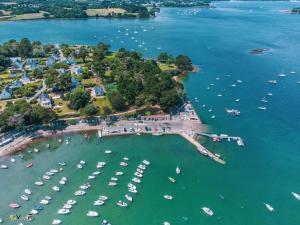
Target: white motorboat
(119,173)
(168,197)
(4,166)
(98,202)
(63,211)
(91,177)
(71,202)
(237,100)
(282,75)
(99,134)
(92,214)
(103,198)
(297,196)
(166,223)
(24,197)
(44,202)
(82,162)
(126,158)
(101,164)
(208,211)
(233,112)
(122,204)
(112,184)
(123,164)
(269,207)
(138,174)
(172,179)
(262,108)
(47,197)
(114,179)
(46,177)
(34,212)
(146,162)
(12,160)
(139,170)
(272,81)
(239,81)
(55,188)
(79,166)
(132,190)
(142,167)
(67,206)
(85,186)
(136,180)
(129,198)
(49,173)
(107,151)
(79,193)
(54,222)
(54,171)
(96,173)
(27,191)
(130,185)
(35,150)
(178,171)
(62,182)
(39,183)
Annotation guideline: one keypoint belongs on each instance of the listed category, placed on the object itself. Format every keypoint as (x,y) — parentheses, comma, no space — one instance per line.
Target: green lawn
(167,67)
(101,103)
(63,110)
(89,82)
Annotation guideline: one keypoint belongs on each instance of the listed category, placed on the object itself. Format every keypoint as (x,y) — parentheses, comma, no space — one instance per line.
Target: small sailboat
(269,207)
(27,191)
(29,165)
(178,171)
(129,198)
(122,204)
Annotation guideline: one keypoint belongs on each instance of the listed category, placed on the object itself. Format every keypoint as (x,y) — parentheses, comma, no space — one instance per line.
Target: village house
(61,71)
(51,60)
(76,70)
(45,101)
(16,84)
(6,93)
(25,79)
(74,82)
(32,63)
(97,91)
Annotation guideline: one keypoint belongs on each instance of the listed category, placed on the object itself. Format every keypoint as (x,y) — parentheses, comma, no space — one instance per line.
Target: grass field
(104,12)
(27,16)
(167,67)
(90,82)
(102,103)
(62,108)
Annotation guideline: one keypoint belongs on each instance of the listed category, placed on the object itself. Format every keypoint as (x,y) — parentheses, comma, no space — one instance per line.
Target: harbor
(185,123)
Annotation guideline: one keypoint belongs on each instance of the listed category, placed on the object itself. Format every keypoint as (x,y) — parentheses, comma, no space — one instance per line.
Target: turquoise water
(218,40)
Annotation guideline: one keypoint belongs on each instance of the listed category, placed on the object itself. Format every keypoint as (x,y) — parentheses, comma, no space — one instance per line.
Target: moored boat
(14,205)
(54,222)
(168,197)
(122,204)
(172,179)
(269,207)
(208,211)
(178,171)
(297,196)
(92,214)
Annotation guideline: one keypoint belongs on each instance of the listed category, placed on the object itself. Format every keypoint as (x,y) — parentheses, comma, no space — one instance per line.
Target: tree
(165,58)
(83,53)
(183,63)
(90,110)
(117,101)
(25,48)
(169,99)
(4,62)
(79,98)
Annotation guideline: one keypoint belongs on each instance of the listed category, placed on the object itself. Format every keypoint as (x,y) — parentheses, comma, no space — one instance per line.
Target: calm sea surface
(266,170)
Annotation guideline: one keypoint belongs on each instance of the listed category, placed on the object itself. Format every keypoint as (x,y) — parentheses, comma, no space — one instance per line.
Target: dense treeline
(75,9)
(21,113)
(139,81)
